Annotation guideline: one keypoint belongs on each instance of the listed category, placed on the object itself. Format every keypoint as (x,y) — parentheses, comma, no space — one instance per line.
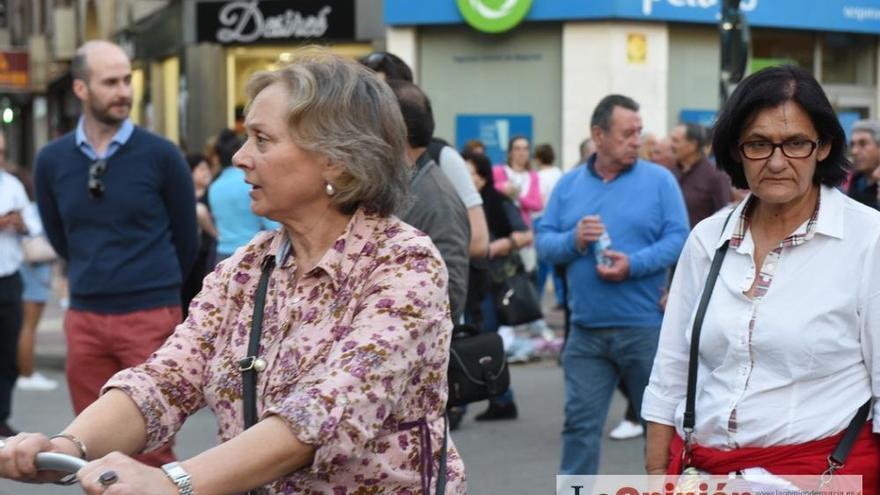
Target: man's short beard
(103,116)
(106,118)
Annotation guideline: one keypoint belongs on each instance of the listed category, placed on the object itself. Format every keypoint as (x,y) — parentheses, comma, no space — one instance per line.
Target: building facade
(193,58)
(544,76)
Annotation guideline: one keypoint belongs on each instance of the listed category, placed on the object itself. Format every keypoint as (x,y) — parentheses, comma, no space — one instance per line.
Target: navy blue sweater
(130,249)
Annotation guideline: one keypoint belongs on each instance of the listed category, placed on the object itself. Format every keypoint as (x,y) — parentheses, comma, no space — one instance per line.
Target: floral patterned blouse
(357,351)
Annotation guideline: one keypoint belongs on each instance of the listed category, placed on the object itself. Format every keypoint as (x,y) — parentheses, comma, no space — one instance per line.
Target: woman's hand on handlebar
(18,462)
(133,477)
(18,458)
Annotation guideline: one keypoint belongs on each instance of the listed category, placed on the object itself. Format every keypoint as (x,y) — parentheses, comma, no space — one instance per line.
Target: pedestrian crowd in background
(625,238)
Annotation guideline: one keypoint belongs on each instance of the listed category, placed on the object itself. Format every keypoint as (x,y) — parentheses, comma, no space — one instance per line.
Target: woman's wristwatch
(179,477)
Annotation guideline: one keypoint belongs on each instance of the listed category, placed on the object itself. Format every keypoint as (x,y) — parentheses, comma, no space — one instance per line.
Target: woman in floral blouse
(356,327)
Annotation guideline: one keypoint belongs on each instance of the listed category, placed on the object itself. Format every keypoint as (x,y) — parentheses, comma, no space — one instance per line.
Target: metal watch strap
(179,477)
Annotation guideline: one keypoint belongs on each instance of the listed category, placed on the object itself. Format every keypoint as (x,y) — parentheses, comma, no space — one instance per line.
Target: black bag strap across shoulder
(250,365)
(693,361)
(837,458)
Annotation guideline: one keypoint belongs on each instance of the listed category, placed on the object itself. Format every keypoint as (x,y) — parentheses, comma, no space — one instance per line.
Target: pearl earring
(329,189)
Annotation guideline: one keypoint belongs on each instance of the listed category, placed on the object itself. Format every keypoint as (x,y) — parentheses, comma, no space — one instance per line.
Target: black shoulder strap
(693,361)
(689,417)
(841,452)
(250,365)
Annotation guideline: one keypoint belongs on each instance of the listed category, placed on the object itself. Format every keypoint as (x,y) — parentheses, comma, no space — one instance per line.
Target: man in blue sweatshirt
(616,224)
(117,203)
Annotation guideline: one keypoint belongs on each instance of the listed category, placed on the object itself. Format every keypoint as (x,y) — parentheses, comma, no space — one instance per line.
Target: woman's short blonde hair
(341,109)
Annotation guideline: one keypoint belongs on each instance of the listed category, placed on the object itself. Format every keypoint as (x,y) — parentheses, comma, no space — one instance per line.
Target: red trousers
(809,458)
(99,345)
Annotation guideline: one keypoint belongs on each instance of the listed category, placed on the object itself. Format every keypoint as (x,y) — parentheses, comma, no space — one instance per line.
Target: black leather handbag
(513,292)
(477,366)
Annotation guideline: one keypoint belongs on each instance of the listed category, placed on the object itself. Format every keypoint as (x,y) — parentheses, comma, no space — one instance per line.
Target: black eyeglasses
(762,149)
(96,185)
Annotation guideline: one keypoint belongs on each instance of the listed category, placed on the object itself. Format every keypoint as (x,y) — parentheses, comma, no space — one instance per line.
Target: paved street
(515,457)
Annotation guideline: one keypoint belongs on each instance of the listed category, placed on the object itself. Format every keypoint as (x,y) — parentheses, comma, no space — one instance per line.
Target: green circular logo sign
(494,16)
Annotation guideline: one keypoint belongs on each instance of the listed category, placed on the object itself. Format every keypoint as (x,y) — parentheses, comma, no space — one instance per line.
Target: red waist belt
(810,458)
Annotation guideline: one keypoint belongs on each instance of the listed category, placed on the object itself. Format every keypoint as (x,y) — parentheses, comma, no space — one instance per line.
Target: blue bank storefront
(554,66)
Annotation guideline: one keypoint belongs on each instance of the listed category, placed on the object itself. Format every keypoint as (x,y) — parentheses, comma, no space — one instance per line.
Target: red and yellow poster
(14,70)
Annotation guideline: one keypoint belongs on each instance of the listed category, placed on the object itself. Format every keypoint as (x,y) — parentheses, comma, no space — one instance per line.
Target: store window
(243,61)
(849,59)
(782,47)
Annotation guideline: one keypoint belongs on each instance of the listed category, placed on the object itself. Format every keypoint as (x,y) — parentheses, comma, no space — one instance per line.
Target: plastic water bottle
(599,247)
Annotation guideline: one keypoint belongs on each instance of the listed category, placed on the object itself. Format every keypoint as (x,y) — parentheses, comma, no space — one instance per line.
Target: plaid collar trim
(800,236)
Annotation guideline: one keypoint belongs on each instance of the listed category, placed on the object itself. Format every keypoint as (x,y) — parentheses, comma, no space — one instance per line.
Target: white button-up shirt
(809,360)
(12,198)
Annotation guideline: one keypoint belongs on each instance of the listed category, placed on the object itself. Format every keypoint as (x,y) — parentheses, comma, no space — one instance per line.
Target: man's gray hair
(872,127)
(341,109)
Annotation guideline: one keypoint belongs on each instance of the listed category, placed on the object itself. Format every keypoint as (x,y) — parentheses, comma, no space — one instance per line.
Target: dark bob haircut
(770,88)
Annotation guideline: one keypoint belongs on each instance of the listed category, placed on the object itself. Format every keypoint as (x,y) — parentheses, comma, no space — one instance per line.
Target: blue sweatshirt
(130,249)
(644,214)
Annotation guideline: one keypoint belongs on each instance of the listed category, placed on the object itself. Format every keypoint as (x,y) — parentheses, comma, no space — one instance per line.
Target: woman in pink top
(356,324)
(518,181)
(521,184)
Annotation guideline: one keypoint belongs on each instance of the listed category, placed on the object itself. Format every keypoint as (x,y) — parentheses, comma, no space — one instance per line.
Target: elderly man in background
(706,189)
(616,243)
(865,157)
(662,154)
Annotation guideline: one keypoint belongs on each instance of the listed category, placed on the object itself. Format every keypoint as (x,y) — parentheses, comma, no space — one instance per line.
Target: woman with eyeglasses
(789,348)
(344,387)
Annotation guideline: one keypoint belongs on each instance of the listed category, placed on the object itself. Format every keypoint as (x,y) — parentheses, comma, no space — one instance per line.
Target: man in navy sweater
(613,289)
(116,202)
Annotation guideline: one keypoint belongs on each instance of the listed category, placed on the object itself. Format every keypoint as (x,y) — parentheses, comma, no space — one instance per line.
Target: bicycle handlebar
(51,461)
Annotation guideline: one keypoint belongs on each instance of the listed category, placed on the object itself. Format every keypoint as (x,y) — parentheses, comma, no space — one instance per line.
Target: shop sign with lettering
(274,21)
(857,16)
